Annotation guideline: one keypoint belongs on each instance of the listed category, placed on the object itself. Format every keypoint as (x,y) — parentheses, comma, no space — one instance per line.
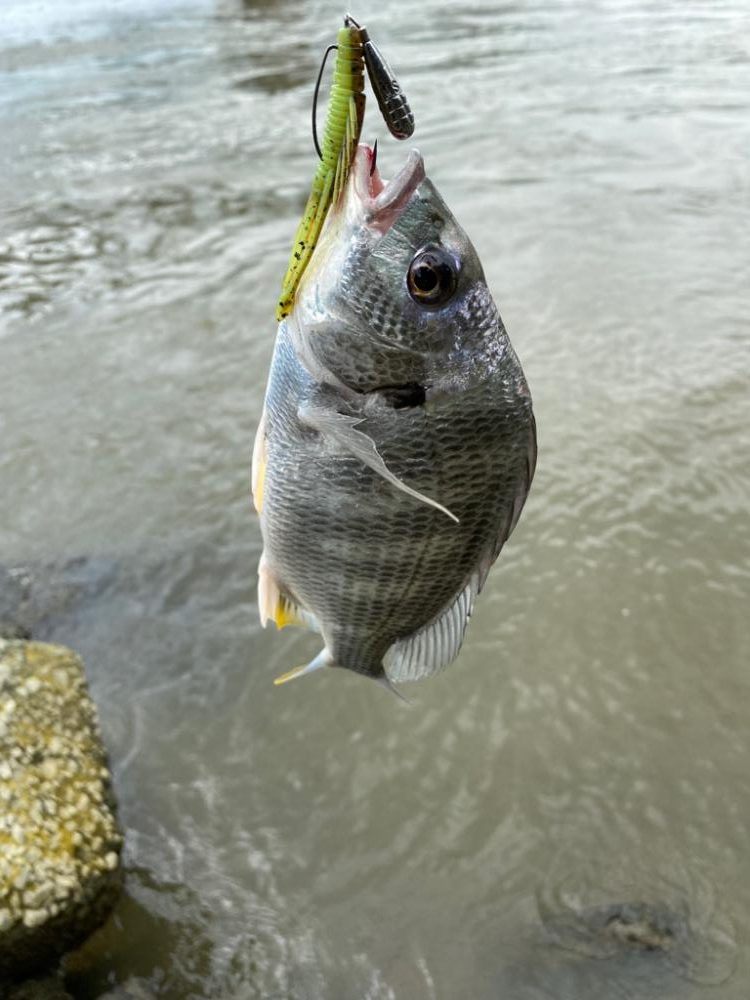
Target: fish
(397,442)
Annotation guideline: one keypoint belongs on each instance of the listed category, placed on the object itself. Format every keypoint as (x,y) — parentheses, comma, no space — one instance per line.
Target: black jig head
(390,97)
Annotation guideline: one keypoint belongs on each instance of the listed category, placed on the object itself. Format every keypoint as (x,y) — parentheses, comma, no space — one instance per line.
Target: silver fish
(397,442)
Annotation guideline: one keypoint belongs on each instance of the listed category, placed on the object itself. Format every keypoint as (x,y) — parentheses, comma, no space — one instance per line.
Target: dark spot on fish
(401,396)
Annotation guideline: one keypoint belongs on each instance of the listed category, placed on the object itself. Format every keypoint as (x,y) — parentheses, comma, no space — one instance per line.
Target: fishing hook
(315,99)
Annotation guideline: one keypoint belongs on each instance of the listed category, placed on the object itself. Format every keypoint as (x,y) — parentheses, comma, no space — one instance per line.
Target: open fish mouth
(381,202)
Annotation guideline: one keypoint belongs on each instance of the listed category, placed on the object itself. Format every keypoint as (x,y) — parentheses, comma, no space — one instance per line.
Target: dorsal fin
(258,474)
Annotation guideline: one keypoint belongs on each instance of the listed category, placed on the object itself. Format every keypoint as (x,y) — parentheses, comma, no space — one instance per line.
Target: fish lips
(381,202)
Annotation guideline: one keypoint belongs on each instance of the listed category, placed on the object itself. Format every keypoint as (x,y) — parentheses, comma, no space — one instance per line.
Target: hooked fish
(397,442)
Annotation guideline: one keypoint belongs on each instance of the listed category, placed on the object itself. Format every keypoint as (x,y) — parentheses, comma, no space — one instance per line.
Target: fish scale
(381,521)
(390,541)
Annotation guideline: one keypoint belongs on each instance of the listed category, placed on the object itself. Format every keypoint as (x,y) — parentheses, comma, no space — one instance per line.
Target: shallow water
(589,754)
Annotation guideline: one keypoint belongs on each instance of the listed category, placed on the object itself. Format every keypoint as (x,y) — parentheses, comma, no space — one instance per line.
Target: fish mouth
(382,202)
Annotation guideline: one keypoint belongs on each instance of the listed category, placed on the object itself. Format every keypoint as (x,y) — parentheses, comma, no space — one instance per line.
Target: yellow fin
(289,675)
(275,606)
(323,659)
(287,613)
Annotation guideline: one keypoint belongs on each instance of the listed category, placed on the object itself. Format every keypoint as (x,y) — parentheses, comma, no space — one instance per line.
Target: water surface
(589,755)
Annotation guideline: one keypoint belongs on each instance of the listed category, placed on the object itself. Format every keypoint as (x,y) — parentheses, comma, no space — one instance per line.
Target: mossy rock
(60,843)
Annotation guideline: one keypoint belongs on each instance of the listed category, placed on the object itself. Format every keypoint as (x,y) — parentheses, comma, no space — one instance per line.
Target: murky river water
(582,775)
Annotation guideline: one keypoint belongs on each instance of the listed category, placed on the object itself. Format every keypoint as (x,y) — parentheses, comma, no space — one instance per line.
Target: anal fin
(275,605)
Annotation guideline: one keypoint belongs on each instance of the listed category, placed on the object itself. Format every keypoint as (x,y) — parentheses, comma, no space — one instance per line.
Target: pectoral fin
(341,428)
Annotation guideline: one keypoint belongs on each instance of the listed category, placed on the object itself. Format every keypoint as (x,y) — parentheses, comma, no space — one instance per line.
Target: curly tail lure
(346,112)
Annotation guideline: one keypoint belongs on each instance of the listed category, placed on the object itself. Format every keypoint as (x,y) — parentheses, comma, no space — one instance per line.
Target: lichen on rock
(59,839)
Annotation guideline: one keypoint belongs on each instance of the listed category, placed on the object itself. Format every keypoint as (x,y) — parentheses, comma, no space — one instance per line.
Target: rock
(132,989)
(59,840)
(35,599)
(14,630)
(49,988)
(639,925)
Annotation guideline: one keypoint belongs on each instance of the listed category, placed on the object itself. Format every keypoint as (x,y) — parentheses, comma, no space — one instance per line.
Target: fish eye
(432,276)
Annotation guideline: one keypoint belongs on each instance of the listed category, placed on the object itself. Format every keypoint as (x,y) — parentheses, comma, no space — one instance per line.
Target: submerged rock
(677,923)
(639,925)
(49,988)
(132,989)
(12,630)
(36,599)
(59,840)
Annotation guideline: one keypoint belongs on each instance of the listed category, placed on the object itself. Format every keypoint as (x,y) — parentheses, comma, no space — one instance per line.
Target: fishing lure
(355,51)
(346,110)
(391,99)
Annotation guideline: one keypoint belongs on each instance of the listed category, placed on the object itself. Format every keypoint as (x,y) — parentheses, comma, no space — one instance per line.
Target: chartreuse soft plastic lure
(346,111)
